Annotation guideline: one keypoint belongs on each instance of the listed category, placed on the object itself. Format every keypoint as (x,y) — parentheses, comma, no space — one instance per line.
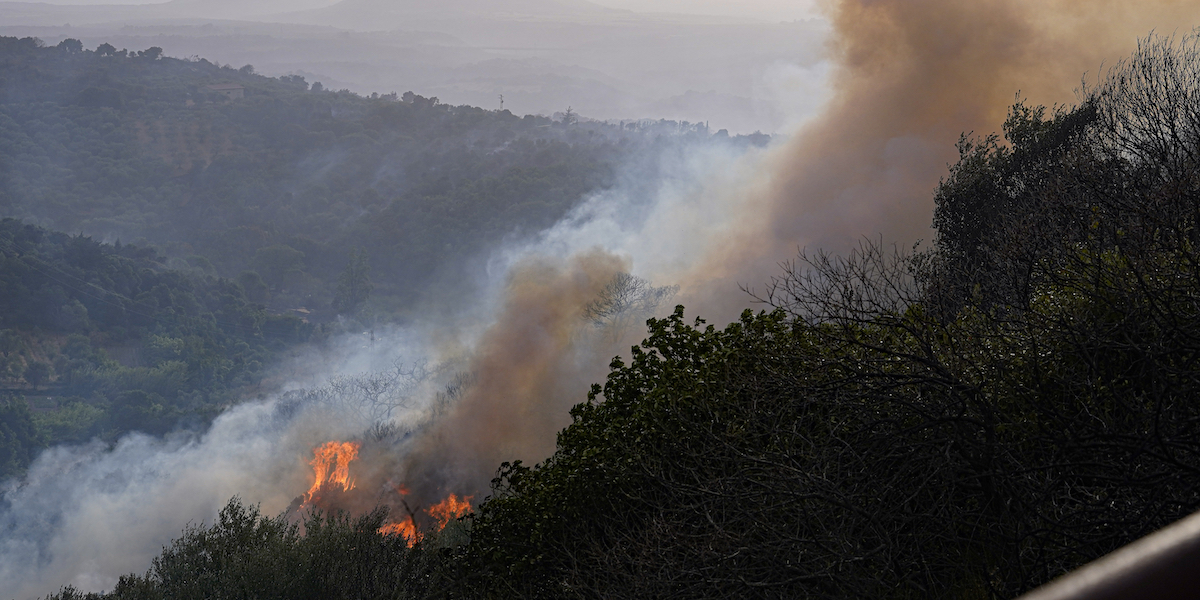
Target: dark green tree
(71,45)
(354,284)
(37,372)
(20,440)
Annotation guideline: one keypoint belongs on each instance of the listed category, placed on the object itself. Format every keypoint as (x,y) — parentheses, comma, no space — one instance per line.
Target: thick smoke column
(908,77)
(527,370)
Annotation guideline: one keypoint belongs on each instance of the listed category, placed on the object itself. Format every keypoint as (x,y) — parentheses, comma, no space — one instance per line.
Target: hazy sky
(772,10)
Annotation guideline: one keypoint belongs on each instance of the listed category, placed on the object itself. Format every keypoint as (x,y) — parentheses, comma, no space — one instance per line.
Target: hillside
(211,233)
(287,181)
(104,339)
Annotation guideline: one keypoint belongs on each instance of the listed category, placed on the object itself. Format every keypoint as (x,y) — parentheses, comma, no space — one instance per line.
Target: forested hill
(287,181)
(103,340)
(223,209)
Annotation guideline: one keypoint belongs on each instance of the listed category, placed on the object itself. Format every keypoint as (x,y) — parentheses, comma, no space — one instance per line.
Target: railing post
(1164,565)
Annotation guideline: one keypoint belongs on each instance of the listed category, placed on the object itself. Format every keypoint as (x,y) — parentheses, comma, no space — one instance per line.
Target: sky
(770,10)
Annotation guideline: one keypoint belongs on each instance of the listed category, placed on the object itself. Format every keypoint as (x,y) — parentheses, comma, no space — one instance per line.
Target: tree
(277,262)
(245,554)
(20,440)
(106,49)
(71,45)
(255,288)
(625,300)
(37,372)
(354,284)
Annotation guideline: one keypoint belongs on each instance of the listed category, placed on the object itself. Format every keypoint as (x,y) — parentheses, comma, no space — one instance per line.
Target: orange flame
(450,508)
(407,529)
(331,465)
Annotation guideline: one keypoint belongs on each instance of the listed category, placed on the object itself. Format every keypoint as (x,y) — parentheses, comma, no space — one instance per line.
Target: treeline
(108,340)
(967,421)
(286,180)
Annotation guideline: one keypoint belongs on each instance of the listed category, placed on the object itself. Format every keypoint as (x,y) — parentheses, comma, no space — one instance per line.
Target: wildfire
(331,470)
(408,529)
(331,465)
(450,508)
(442,512)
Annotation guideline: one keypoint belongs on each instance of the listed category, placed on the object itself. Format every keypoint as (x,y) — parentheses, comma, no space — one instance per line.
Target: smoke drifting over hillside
(909,77)
(526,371)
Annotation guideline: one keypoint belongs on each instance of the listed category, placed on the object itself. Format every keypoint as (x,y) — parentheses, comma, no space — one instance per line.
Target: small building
(232,91)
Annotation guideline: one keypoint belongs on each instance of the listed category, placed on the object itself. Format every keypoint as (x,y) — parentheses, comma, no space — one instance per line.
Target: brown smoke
(530,367)
(910,77)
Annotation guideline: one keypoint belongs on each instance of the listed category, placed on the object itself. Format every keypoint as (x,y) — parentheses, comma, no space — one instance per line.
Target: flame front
(331,470)
(442,512)
(331,466)
(450,508)
(407,529)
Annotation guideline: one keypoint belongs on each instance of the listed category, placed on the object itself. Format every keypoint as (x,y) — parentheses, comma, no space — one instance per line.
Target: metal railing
(1164,565)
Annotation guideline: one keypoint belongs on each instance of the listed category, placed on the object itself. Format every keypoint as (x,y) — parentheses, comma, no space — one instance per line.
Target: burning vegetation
(333,483)
(331,468)
(452,507)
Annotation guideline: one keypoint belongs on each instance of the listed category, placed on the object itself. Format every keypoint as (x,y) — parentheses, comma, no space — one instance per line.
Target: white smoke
(84,515)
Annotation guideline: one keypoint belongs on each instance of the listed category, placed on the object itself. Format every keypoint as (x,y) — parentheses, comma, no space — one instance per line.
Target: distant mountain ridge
(604,63)
(366,12)
(479,8)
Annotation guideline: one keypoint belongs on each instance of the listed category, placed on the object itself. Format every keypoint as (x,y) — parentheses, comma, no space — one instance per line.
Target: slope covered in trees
(963,422)
(111,341)
(279,196)
(288,181)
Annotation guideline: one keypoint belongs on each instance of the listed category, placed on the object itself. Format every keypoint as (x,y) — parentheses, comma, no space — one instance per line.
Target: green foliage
(20,439)
(74,421)
(354,284)
(187,343)
(245,554)
(665,424)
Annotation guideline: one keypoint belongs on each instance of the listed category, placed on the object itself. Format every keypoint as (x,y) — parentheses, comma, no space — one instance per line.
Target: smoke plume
(909,77)
(527,370)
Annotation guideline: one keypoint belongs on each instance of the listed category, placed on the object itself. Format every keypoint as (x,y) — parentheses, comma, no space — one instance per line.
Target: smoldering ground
(908,77)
